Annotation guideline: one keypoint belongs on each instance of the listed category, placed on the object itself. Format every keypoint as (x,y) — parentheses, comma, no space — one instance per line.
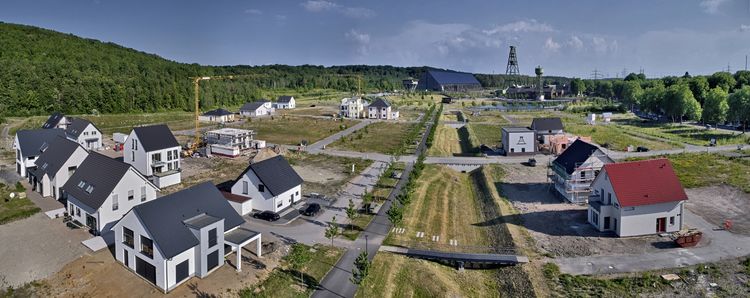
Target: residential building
(218,116)
(352,108)
(56,120)
(181,235)
(229,141)
(271,184)
(154,152)
(30,143)
(257,108)
(575,169)
(532,92)
(448,81)
(546,127)
(55,165)
(381,109)
(518,140)
(285,102)
(103,189)
(637,198)
(85,133)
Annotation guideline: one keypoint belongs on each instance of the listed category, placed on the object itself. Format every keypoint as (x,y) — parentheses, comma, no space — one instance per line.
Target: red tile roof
(645,182)
(235,198)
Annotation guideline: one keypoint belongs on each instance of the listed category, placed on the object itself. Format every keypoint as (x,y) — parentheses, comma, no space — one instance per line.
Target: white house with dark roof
(546,127)
(271,184)
(29,144)
(103,189)
(182,235)
(56,120)
(518,140)
(381,109)
(55,166)
(218,116)
(154,151)
(575,169)
(257,108)
(85,133)
(285,102)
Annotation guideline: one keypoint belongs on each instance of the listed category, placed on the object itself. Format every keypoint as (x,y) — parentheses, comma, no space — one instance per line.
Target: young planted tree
(716,107)
(351,213)
(361,268)
(395,215)
(298,258)
(333,230)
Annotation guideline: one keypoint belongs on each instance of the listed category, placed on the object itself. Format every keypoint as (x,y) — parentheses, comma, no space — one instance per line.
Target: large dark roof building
(51,160)
(448,81)
(575,155)
(155,137)
(54,120)
(276,174)
(380,103)
(94,180)
(218,112)
(32,142)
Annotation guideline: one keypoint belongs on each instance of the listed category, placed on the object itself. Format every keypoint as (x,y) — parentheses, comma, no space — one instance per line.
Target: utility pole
(596,74)
(745,62)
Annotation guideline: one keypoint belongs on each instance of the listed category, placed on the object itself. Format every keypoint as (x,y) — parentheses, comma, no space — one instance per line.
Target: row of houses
(356,107)
(528,140)
(257,108)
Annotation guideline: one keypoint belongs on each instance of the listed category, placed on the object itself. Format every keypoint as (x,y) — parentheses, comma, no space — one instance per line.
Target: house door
(91,222)
(181,271)
(661,224)
(126,258)
(145,270)
(606,222)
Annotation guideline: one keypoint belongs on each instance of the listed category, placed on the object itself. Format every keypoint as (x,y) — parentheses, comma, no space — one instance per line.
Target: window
(131,195)
(115,204)
(72,210)
(81,184)
(132,156)
(143,193)
(297,193)
(169,155)
(245,187)
(127,237)
(78,211)
(147,247)
(261,188)
(135,144)
(279,204)
(583,174)
(609,198)
(156,157)
(89,188)
(211,238)
(671,220)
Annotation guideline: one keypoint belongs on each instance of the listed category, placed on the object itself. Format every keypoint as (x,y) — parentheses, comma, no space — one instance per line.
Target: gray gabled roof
(58,152)
(155,137)
(276,174)
(575,155)
(380,103)
(167,218)
(96,177)
(33,142)
(76,127)
(53,120)
(217,112)
(542,124)
(252,106)
(284,98)
(452,77)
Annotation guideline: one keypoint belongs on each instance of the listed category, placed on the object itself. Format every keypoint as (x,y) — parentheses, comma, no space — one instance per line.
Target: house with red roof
(637,198)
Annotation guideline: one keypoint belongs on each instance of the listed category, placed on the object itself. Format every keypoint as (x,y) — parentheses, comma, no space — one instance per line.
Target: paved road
(723,245)
(318,146)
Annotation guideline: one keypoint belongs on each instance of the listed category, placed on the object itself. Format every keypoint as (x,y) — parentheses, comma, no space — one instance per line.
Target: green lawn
(487,134)
(14,209)
(617,138)
(124,123)
(689,134)
(381,137)
(494,117)
(587,286)
(293,130)
(706,169)
(285,282)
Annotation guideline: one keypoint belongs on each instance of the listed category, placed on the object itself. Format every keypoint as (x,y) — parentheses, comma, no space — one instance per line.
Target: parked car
(267,215)
(641,149)
(531,162)
(311,210)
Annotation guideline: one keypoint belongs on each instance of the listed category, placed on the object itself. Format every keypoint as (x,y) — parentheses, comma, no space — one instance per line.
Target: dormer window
(89,188)
(261,188)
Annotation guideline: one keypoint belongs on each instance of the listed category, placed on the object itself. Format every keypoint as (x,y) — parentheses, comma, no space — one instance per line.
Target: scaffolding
(576,187)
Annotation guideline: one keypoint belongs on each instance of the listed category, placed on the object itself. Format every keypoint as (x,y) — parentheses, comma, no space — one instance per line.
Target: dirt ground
(100,275)
(716,204)
(561,229)
(316,174)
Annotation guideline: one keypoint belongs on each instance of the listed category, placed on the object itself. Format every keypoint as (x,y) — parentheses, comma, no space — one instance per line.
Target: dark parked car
(267,215)
(311,209)
(641,149)
(531,162)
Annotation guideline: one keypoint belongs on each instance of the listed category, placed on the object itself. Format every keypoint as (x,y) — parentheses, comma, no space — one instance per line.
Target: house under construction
(575,169)
(229,141)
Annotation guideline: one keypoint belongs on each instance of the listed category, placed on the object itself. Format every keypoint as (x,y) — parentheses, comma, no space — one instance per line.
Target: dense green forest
(43,71)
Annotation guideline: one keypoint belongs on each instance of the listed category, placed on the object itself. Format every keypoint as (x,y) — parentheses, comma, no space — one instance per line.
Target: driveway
(723,245)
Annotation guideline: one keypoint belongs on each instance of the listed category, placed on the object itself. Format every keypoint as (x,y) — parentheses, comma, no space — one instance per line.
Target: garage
(182,271)
(145,270)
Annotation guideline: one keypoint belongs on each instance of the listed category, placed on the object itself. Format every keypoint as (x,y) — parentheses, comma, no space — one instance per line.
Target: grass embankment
(464,141)
(294,130)
(16,208)
(381,137)
(706,169)
(285,281)
(683,133)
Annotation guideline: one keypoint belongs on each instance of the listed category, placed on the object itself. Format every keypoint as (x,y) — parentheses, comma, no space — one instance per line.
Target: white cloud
(551,46)
(355,35)
(520,27)
(712,6)
(253,11)
(352,12)
(280,17)
(358,12)
(575,43)
(744,28)
(319,5)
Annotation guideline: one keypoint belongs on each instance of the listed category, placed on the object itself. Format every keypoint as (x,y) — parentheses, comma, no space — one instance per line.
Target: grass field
(109,123)
(487,134)
(689,134)
(14,209)
(293,130)
(448,142)
(706,169)
(494,117)
(382,137)
(285,282)
(616,138)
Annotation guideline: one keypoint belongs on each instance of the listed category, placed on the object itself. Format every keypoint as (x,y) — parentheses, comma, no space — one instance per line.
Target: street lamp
(366,244)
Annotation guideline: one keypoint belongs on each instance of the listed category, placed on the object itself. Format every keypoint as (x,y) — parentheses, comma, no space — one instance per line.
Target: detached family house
(271,184)
(56,120)
(55,166)
(546,128)
(85,133)
(352,108)
(103,189)
(218,116)
(154,152)
(30,143)
(285,102)
(575,169)
(637,198)
(257,108)
(181,235)
(381,109)
(518,140)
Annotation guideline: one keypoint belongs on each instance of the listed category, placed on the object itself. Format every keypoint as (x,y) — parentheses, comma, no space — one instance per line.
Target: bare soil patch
(716,204)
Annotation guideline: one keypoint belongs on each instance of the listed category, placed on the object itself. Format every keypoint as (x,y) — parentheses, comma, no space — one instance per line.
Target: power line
(596,74)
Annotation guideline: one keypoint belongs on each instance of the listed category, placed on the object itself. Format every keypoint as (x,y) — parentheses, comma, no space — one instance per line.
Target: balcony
(157,163)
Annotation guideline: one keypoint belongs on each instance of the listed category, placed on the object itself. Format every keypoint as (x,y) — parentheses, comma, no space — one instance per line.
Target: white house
(271,184)
(229,141)
(352,108)
(55,166)
(637,198)
(257,108)
(218,116)
(29,144)
(381,109)
(182,235)
(103,189)
(518,140)
(154,152)
(546,127)
(85,133)
(285,102)
(575,169)
(56,120)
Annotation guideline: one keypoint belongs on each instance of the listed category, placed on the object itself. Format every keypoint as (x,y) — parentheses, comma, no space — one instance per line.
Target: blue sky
(569,38)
